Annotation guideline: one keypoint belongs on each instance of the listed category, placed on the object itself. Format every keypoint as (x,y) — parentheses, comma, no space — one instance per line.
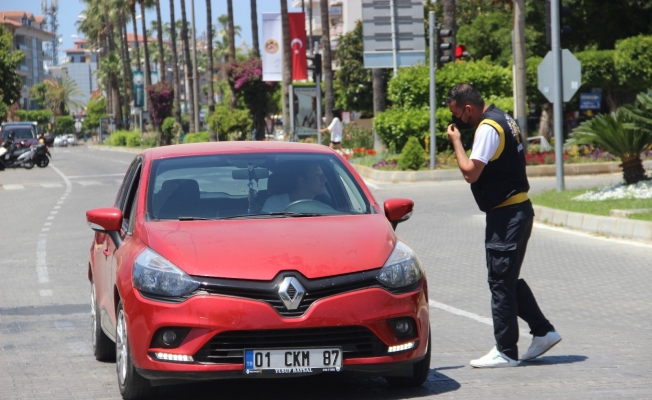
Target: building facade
(80,65)
(29,34)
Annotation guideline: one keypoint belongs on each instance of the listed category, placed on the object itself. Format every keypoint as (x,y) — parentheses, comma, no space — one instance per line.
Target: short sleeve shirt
(335,128)
(485,144)
(275,203)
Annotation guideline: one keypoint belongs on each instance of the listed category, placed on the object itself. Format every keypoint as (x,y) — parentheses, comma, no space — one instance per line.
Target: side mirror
(398,210)
(106,220)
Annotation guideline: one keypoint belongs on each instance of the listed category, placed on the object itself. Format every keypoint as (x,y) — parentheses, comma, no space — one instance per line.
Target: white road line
(51,185)
(94,176)
(462,313)
(89,183)
(632,242)
(45,292)
(13,187)
(41,263)
(371,185)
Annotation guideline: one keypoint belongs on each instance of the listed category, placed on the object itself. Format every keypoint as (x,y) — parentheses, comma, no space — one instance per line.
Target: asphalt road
(592,289)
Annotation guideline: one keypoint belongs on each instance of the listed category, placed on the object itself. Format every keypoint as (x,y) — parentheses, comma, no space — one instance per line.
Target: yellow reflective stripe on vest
(501,133)
(517,198)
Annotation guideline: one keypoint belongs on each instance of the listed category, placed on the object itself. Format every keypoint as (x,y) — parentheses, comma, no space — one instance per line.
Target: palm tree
(113,73)
(175,66)
(148,78)
(59,96)
(211,95)
(254,29)
(328,62)
(132,9)
(161,54)
(229,7)
(622,133)
(186,46)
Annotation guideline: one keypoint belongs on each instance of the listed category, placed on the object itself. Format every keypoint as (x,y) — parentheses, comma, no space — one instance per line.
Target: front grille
(228,347)
(267,291)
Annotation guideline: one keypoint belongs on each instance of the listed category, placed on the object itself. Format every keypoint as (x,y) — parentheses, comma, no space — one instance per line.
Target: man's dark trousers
(506,236)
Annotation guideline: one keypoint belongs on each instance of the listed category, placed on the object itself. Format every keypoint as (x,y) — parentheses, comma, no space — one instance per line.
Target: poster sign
(305,110)
(272,47)
(590,101)
(139,89)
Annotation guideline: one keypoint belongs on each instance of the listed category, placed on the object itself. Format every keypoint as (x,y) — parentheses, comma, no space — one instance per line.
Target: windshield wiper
(295,214)
(192,219)
(275,214)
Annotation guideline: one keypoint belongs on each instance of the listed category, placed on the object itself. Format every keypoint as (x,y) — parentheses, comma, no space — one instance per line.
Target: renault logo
(291,292)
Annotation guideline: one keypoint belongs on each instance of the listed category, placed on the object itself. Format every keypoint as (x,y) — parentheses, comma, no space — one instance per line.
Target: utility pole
(194,69)
(519,68)
(433,104)
(392,11)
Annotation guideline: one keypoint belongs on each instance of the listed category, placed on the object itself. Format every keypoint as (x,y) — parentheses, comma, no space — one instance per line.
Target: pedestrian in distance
(336,129)
(496,172)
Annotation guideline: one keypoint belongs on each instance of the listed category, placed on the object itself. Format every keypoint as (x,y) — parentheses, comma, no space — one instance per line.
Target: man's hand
(454,134)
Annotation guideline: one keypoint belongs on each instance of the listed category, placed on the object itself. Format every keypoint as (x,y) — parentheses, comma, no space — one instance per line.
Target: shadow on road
(553,360)
(324,386)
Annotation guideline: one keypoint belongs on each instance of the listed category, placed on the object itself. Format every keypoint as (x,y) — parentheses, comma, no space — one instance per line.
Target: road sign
(571,75)
(590,101)
(377,40)
(139,89)
(78,126)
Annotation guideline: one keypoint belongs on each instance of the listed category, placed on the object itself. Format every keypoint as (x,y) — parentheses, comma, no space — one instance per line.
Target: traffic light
(565,30)
(316,66)
(460,52)
(441,47)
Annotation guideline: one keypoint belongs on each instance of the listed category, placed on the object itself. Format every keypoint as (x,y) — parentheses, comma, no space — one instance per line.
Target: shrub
(413,156)
(229,123)
(64,124)
(133,139)
(118,138)
(168,129)
(161,97)
(196,137)
(360,137)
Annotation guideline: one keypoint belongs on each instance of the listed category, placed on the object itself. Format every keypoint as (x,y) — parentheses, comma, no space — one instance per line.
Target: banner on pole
(297,22)
(139,89)
(272,47)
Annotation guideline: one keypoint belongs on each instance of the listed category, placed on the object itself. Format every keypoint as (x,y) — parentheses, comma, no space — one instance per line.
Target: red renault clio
(253,260)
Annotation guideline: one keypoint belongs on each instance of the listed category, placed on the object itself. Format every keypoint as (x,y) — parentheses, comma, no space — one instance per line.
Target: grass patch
(562,201)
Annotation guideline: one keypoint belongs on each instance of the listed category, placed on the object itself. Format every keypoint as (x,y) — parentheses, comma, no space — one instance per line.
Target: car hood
(260,248)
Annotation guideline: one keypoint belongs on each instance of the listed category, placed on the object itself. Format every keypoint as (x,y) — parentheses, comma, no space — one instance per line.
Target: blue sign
(590,101)
(139,89)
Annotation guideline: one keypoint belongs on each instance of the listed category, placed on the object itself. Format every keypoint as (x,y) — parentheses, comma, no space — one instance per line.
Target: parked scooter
(42,157)
(14,156)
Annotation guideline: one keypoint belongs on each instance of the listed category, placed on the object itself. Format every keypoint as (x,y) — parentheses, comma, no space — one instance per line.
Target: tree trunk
(161,53)
(633,171)
(287,67)
(124,63)
(449,23)
(127,56)
(254,29)
(380,105)
(231,30)
(148,78)
(115,87)
(545,121)
(212,136)
(175,67)
(132,9)
(519,62)
(329,99)
(186,49)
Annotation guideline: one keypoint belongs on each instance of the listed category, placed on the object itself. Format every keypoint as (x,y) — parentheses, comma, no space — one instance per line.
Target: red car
(254,260)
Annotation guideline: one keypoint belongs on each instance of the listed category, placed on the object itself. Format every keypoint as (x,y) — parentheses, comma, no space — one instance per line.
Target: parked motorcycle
(14,156)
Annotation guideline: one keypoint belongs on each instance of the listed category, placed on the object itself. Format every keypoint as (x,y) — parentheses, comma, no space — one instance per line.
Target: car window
(130,201)
(126,182)
(255,185)
(19,133)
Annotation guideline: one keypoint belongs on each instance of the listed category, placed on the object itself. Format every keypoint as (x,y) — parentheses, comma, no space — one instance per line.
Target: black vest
(504,175)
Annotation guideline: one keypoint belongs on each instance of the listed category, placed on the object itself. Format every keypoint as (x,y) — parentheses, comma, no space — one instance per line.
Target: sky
(70,9)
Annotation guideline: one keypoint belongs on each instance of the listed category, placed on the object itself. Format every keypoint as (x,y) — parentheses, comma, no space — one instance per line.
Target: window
(82,59)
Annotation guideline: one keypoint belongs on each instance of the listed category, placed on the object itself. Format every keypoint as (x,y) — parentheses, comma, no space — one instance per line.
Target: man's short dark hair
(463,94)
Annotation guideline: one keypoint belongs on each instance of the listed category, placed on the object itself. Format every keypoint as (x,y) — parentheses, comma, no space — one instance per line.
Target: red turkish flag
(297,22)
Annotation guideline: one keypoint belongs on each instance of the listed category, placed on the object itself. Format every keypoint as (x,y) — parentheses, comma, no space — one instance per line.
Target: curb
(454,174)
(597,224)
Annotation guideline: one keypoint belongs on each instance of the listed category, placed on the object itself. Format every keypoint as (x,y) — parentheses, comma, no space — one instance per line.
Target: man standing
(496,172)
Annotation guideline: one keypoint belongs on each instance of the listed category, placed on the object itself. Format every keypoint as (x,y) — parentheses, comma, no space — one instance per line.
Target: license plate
(292,361)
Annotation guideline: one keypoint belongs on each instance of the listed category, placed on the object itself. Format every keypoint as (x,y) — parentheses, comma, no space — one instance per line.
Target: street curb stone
(455,174)
(602,225)
(116,148)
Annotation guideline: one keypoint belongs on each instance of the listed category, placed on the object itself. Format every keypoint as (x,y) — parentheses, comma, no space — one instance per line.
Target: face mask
(461,124)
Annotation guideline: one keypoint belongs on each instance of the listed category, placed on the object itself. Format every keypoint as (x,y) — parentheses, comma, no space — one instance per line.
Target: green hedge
(196,137)
(124,138)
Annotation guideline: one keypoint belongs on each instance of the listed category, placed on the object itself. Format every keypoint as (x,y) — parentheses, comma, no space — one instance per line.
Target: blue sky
(70,9)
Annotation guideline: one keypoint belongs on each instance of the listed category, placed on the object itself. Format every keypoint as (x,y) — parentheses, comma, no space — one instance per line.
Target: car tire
(132,385)
(420,371)
(103,347)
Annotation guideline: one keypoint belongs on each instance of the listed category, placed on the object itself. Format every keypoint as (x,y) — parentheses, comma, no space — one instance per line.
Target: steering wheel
(301,201)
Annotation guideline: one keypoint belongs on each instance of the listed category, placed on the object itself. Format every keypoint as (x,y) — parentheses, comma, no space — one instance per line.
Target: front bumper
(210,315)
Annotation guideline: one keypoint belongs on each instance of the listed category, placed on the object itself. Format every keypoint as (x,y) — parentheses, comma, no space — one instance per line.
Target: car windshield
(23,132)
(258,185)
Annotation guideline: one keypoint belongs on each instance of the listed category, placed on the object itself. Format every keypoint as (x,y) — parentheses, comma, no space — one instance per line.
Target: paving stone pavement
(594,290)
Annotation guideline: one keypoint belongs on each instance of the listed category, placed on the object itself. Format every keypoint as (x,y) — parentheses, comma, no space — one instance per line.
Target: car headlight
(402,268)
(154,274)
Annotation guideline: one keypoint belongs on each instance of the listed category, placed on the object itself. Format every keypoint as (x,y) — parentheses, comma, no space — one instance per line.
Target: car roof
(233,147)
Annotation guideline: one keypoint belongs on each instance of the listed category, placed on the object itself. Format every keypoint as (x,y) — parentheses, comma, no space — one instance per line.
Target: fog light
(174,357)
(169,337)
(401,347)
(402,327)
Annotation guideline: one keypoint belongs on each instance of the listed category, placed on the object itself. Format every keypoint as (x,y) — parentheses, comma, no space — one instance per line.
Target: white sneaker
(494,359)
(541,344)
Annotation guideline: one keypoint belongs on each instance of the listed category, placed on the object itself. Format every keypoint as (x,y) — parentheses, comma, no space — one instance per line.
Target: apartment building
(29,34)
(80,65)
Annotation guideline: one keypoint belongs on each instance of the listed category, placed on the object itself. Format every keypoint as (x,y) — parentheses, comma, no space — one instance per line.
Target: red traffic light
(460,51)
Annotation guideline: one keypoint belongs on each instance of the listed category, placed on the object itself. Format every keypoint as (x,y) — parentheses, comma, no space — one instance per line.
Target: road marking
(462,313)
(371,185)
(51,185)
(94,176)
(45,292)
(89,183)
(13,187)
(632,242)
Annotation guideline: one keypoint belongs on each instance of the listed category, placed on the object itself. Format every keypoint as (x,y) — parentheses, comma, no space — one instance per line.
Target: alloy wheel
(121,348)
(93,317)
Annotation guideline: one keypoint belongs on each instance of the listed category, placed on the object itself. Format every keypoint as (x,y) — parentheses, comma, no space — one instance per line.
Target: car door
(127,204)
(104,269)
